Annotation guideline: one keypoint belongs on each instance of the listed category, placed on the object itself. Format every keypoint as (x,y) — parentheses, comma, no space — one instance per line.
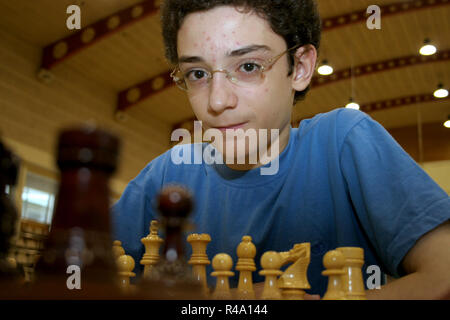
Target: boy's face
(210,40)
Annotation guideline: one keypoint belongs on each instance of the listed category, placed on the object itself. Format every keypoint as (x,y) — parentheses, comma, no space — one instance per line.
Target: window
(38,198)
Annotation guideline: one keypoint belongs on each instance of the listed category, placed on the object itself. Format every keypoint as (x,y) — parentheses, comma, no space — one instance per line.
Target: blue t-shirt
(342,181)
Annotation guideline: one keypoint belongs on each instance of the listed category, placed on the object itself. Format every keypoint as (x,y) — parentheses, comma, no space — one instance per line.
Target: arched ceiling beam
(379,66)
(386,10)
(133,95)
(62,49)
(145,89)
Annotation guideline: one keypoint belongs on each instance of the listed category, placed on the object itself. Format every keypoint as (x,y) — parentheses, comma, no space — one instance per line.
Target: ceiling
(133,54)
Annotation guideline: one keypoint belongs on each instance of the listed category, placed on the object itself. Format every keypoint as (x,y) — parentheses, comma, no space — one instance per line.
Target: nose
(221,93)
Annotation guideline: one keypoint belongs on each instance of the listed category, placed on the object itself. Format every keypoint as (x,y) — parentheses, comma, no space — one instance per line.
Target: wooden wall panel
(32,112)
(435,140)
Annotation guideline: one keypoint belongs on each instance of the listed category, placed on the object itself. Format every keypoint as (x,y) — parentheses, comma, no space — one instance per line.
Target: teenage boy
(339,180)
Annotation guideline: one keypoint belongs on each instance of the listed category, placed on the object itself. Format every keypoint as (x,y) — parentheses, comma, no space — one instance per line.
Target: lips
(232,126)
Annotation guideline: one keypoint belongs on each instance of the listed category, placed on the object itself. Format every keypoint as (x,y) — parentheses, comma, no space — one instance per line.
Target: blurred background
(112,73)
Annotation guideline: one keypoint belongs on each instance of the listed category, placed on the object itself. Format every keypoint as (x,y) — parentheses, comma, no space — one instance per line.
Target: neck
(282,140)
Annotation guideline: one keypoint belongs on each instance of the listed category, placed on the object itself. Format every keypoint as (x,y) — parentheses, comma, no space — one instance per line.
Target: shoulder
(342,118)
(334,125)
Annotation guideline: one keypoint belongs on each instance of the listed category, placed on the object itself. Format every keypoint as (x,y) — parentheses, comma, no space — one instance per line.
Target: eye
(196,74)
(249,67)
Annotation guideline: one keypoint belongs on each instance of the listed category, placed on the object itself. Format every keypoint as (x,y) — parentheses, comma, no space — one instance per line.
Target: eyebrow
(248,49)
(234,53)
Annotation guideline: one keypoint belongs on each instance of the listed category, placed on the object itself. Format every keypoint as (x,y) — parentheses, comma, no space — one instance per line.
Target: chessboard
(342,267)
(166,272)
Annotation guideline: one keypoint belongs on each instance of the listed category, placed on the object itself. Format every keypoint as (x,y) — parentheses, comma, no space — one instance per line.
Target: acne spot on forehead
(238,43)
(208,39)
(266,89)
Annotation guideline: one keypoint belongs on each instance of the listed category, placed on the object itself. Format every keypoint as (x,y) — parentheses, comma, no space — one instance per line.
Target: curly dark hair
(297,21)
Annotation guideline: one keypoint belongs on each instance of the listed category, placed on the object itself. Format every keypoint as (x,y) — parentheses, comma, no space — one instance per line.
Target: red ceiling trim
(143,90)
(379,66)
(399,102)
(386,10)
(62,49)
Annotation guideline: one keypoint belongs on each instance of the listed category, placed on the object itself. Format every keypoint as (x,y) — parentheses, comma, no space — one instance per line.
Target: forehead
(224,29)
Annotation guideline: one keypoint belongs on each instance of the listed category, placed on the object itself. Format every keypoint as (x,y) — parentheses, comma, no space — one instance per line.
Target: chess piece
(294,281)
(171,277)
(125,264)
(79,243)
(117,249)
(222,264)
(353,283)
(271,264)
(333,262)
(199,258)
(246,252)
(152,243)
(9,166)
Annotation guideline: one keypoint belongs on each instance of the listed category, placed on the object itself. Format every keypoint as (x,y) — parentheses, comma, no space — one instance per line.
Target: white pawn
(222,264)
(125,264)
(334,262)
(117,249)
(246,252)
(271,263)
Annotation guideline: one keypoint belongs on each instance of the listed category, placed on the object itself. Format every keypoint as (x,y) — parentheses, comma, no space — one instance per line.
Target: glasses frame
(266,66)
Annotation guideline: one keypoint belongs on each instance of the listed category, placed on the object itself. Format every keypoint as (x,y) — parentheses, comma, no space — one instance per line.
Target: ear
(304,67)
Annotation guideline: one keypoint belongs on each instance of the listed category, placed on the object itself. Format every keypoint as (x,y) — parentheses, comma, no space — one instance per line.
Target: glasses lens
(182,85)
(244,74)
(197,78)
(177,77)
(248,73)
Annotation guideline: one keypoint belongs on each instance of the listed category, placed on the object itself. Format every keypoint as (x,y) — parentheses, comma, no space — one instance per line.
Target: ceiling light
(325,69)
(447,123)
(441,92)
(427,49)
(352,105)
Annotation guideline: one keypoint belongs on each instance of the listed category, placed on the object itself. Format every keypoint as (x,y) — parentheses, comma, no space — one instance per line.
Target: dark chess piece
(172,277)
(9,167)
(77,261)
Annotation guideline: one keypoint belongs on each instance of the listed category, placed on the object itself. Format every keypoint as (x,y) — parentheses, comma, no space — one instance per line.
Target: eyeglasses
(245,72)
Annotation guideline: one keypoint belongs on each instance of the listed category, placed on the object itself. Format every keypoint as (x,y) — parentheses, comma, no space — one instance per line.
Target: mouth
(232,126)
